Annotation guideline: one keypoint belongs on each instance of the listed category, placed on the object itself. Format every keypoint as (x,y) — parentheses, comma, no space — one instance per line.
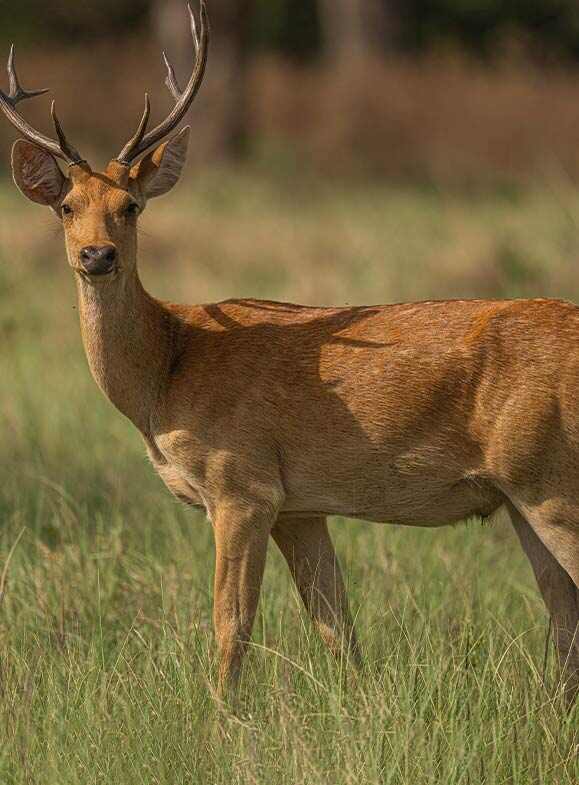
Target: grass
(107,667)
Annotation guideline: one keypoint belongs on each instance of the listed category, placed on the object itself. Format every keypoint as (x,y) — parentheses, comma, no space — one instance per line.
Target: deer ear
(37,174)
(159,170)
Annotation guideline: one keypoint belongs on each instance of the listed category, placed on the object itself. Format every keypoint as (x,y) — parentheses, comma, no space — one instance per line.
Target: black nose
(98,259)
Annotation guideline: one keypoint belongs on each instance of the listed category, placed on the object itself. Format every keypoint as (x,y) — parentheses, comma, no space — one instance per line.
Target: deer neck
(127,339)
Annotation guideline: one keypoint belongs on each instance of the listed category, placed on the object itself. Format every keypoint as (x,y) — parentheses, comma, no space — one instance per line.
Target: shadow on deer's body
(272,416)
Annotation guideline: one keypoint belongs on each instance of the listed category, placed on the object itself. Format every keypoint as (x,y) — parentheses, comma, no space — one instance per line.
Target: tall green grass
(107,668)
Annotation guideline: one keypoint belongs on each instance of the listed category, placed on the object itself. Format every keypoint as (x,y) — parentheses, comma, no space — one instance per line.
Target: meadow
(107,668)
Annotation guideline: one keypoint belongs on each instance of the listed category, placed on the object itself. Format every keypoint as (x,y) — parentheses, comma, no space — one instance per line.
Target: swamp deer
(272,416)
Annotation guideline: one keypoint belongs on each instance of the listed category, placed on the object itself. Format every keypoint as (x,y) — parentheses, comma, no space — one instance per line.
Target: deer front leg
(241,537)
(308,550)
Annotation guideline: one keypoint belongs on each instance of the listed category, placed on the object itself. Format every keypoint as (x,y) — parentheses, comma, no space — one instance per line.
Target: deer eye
(132,209)
(66,209)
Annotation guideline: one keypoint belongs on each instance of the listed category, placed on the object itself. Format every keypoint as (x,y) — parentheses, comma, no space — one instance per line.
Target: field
(107,667)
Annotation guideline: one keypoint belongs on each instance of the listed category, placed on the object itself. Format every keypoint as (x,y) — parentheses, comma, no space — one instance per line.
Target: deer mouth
(98,275)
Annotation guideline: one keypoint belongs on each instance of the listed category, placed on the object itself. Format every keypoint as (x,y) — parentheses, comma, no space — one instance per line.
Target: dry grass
(446,120)
(232,233)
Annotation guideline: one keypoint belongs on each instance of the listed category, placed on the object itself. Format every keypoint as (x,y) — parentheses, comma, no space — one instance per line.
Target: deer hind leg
(241,539)
(306,546)
(553,550)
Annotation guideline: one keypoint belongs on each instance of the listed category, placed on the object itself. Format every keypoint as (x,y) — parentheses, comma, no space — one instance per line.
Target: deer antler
(61,149)
(142,141)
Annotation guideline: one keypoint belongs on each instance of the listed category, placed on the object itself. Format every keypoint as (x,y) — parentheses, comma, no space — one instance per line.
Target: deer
(271,416)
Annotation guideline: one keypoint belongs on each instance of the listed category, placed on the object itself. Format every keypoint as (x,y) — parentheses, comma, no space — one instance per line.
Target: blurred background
(448,91)
(343,150)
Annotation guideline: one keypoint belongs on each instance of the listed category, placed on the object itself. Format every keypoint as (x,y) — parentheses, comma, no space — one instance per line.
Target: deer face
(99,219)
(99,211)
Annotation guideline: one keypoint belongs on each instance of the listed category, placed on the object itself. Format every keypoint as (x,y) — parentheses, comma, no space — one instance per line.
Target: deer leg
(306,546)
(558,588)
(241,538)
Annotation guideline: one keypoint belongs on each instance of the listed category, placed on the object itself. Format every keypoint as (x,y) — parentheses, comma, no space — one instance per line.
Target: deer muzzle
(98,259)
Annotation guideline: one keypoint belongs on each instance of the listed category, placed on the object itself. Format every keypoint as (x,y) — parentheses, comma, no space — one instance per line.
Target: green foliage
(546,28)
(65,21)
(288,26)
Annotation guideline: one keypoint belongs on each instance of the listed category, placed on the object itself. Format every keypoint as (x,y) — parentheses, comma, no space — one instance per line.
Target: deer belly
(384,495)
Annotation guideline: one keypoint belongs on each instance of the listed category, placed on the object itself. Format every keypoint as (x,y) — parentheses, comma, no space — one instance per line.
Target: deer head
(100,210)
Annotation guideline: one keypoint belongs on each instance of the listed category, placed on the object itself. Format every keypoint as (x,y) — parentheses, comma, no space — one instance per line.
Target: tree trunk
(357,28)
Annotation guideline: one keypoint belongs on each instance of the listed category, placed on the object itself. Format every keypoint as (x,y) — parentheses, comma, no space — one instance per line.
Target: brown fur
(272,416)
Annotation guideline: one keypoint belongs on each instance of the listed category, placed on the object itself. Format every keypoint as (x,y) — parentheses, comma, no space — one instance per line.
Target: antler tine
(17,92)
(194,25)
(141,142)
(71,153)
(171,79)
(8,102)
(133,143)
